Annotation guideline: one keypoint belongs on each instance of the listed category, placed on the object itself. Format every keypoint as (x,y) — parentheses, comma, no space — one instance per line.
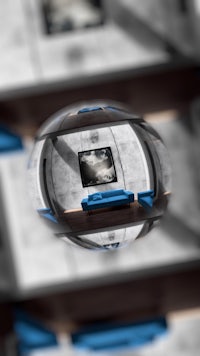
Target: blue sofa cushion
(95,196)
(113,193)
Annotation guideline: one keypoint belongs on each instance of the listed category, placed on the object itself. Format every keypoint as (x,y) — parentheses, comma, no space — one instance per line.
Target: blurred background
(144,299)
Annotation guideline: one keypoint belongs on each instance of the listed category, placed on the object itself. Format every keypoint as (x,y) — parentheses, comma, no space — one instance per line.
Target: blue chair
(146,199)
(47,214)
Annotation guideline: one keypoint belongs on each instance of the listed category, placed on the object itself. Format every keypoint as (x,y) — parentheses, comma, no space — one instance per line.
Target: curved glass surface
(99,176)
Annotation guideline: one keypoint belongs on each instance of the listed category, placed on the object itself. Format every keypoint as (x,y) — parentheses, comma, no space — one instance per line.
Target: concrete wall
(130,163)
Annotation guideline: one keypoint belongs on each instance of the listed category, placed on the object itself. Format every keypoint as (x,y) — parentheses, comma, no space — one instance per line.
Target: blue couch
(106,199)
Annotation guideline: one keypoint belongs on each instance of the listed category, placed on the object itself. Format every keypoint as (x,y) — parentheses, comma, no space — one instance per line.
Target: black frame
(83,176)
(46,9)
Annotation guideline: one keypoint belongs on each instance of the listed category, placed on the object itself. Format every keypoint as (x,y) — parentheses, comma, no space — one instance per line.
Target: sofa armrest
(84,203)
(130,195)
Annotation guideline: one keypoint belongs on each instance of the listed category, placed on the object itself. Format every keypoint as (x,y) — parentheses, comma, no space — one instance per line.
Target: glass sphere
(99,175)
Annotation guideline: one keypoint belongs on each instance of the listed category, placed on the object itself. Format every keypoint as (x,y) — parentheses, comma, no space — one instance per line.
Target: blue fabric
(146,193)
(113,108)
(146,199)
(109,198)
(115,337)
(31,334)
(112,193)
(95,196)
(93,108)
(47,214)
(146,202)
(44,210)
(9,141)
(108,202)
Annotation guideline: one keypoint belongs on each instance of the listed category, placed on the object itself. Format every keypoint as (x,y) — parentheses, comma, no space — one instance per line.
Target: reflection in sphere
(99,175)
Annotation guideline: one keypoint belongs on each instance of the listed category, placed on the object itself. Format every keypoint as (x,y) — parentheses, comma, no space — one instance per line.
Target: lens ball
(99,175)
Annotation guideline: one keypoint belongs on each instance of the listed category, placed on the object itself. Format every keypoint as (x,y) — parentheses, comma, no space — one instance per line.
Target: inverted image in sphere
(99,175)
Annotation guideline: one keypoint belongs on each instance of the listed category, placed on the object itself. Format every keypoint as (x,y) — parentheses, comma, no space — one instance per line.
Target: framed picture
(97,167)
(68,15)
